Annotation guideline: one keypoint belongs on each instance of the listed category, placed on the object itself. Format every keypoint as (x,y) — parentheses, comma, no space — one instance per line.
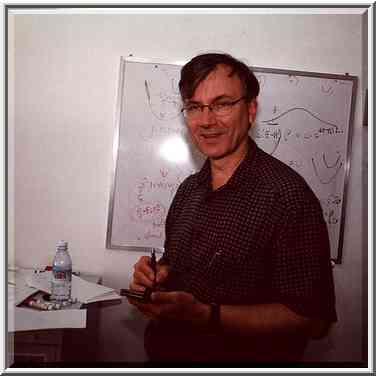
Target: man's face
(222,136)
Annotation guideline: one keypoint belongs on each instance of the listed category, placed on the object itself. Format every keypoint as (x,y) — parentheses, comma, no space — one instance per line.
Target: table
(59,345)
(38,347)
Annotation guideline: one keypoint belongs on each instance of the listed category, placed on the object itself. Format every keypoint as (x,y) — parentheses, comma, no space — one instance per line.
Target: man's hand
(143,275)
(175,305)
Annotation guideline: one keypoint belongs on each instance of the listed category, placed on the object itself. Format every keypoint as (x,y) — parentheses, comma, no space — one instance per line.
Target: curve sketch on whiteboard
(278,130)
(327,89)
(165,103)
(261,78)
(273,120)
(268,134)
(333,169)
(327,164)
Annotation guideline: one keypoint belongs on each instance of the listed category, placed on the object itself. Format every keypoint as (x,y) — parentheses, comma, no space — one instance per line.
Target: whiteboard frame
(118,117)
(115,152)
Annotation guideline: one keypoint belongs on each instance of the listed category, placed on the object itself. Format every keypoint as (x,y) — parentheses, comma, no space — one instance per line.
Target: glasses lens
(222,108)
(219,109)
(191,111)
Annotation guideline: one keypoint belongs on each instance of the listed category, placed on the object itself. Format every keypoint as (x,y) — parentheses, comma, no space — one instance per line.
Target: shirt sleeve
(301,269)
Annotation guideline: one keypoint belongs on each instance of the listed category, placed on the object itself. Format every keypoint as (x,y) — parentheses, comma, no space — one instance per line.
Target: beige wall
(64,79)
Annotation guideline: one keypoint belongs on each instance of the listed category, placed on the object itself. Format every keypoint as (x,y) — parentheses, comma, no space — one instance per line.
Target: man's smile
(211,135)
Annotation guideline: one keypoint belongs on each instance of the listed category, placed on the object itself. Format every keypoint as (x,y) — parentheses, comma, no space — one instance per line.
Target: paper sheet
(83,291)
(18,290)
(91,292)
(22,318)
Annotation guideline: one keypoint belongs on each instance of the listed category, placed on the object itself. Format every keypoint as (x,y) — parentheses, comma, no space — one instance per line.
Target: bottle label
(61,285)
(62,274)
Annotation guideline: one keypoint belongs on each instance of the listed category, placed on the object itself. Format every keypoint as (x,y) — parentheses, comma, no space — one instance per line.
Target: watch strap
(215,316)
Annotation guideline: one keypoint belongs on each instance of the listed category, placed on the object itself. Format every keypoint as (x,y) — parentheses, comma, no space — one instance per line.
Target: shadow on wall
(321,350)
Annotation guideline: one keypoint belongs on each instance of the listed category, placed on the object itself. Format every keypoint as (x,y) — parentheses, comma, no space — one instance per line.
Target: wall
(66,76)
(10,256)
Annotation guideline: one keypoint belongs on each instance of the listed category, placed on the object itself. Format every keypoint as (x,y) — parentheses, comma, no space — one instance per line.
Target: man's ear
(252,110)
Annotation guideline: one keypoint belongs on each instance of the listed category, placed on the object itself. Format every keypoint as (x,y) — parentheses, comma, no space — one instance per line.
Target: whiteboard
(304,119)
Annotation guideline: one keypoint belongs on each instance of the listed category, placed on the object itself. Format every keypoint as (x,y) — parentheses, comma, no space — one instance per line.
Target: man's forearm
(268,318)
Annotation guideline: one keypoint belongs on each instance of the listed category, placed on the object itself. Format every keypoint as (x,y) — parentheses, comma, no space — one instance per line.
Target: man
(246,274)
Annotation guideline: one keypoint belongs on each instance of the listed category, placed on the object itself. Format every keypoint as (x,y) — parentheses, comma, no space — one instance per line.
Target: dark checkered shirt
(260,238)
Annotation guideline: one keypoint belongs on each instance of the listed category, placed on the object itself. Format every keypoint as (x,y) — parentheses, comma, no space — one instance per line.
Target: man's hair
(196,70)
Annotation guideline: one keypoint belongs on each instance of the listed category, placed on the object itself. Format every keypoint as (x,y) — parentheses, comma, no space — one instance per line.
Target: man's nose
(207,116)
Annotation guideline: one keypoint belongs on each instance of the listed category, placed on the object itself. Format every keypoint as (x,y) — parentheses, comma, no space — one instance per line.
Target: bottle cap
(62,244)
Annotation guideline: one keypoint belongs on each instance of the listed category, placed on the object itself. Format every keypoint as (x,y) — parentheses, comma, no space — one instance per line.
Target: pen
(154,265)
(145,295)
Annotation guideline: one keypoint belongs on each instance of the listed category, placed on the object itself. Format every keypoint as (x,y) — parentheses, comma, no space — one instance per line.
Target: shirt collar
(204,175)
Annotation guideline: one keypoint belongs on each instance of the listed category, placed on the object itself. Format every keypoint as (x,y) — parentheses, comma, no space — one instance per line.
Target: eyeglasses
(220,108)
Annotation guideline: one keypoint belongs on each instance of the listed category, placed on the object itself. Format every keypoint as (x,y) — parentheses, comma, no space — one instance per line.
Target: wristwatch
(215,317)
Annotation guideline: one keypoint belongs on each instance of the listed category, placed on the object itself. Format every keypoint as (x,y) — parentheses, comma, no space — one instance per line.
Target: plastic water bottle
(61,281)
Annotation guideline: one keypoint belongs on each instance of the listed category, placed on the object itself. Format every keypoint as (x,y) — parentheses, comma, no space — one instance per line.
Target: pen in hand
(153,264)
(145,295)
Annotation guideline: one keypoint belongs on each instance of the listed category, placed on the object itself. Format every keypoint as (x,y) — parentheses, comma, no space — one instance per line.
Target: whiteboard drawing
(261,79)
(293,80)
(162,94)
(273,121)
(324,172)
(304,119)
